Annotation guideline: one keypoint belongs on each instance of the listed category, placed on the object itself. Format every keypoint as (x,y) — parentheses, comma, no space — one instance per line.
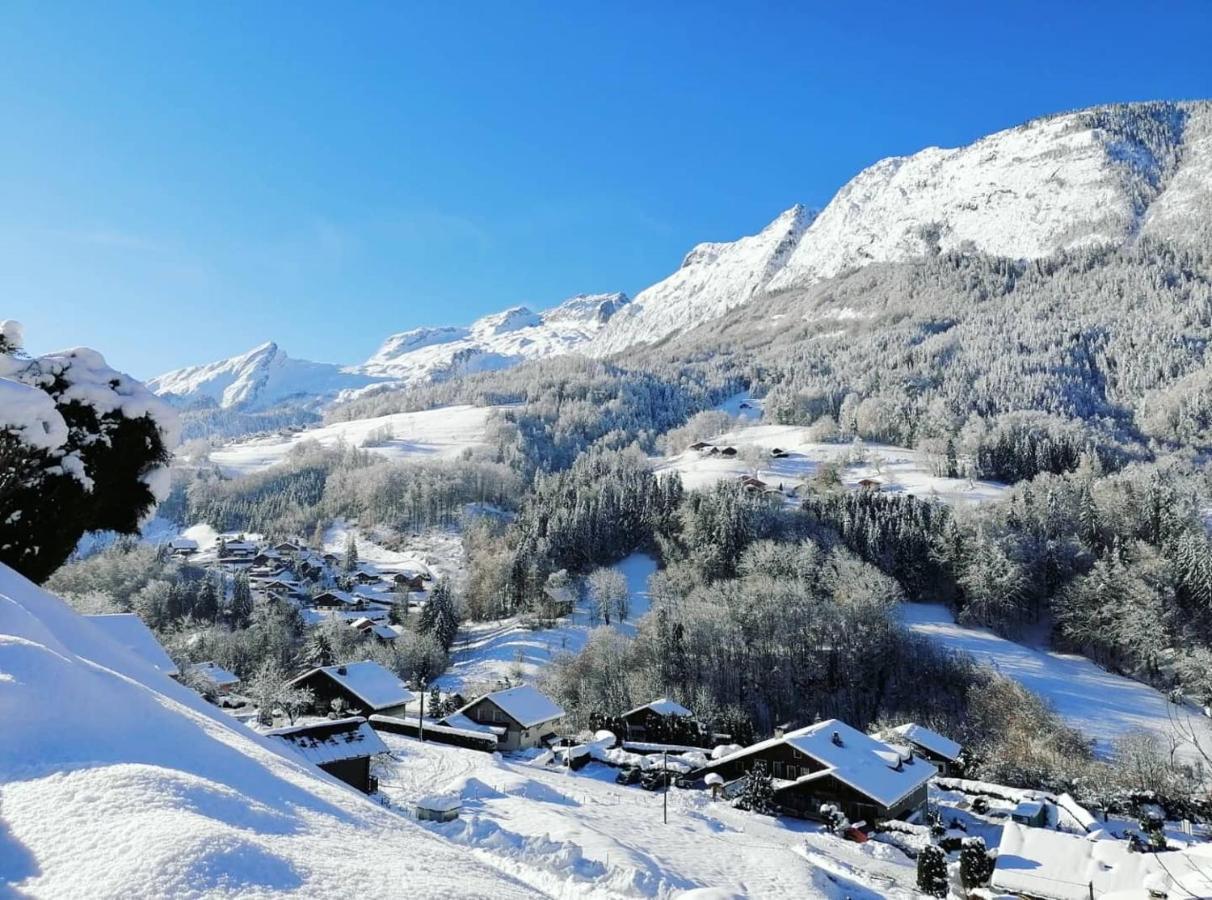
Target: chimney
(781,729)
(341,670)
(837,738)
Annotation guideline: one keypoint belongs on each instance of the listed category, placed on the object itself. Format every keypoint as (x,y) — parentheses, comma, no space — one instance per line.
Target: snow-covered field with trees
(431,434)
(1102,705)
(897,469)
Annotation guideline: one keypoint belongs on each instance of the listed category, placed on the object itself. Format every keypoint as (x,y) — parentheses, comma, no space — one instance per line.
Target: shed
(128,630)
(1030,812)
(182,546)
(342,748)
(938,750)
(222,680)
(651,719)
(366,687)
(438,808)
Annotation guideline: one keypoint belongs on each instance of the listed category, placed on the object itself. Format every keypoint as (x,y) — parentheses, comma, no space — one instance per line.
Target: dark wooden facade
(354,772)
(486,712)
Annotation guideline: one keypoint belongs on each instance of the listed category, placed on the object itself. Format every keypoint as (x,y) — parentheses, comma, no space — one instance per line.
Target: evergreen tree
(758,793)
(932,871)
(206,607)
(351,554)
(319,651)
(434,703)
(976,865)
(241,601)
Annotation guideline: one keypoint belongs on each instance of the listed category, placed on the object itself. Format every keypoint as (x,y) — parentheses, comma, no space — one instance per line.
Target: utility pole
(665,776)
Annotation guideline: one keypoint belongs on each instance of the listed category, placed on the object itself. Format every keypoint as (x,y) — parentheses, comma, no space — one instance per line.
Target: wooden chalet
(366,687)
(342,748)
(644,719)
(335,600)
(830,762)
(941,752)
(408,582)
(728,451)
(870,484)
(521,717)
(182,547)
(700,446)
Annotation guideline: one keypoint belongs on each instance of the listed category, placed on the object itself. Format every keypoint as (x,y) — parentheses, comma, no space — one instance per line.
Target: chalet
(652,716)
(1053,865)
(941,752)
(870,484)
(366,578)
(331,559)
(238,549)
(728,451)
(267,559)
(335,600)
(753,485)
(700,446)
(287,548)
(127,630)
(520,717)
(182,547)
(220,680)
(342,749)
(778,453)
(830,762)
(366,687)
(408,582)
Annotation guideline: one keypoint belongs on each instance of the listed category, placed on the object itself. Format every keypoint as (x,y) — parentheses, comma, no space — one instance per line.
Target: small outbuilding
(182,547)
(221,680)
(651,718)
(342,748)
(1030,812)
(438,808)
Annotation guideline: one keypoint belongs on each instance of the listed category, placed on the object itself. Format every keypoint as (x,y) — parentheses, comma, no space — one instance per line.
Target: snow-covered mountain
(1106,175)
(263,377)
(496,341)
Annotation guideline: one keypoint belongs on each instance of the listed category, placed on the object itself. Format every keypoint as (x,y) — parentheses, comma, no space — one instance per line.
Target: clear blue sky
(181,181)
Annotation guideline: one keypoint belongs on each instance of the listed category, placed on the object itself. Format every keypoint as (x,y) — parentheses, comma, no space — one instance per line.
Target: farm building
(1053,865)
(651,717)
(407,582)
(941,752)
(366,687)
(830,762)
(521,716)
(342,748)
(221,680)
(182,547)
(128,630)
(334,600)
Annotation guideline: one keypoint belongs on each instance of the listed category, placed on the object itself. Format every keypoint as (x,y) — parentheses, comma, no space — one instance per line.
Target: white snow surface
(1100,704)
(128,630)
(442,433)
(115,781)
(1027,192)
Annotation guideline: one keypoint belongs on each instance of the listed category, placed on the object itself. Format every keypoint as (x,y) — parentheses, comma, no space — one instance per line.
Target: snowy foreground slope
(117,782)
(1106,175)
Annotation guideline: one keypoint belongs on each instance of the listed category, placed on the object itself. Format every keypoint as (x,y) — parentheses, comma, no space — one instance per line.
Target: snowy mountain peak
(1104,175)
(504,322)
(587,308)
(262,377)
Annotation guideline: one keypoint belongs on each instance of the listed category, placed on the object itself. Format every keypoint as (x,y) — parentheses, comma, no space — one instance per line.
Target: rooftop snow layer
(929,740)
(330,742)
(128,630)
(369,682)
(524,704)
(116,781)
(662,707)
(215,674)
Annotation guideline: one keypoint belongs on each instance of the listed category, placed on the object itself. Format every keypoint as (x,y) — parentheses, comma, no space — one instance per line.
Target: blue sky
(181,181)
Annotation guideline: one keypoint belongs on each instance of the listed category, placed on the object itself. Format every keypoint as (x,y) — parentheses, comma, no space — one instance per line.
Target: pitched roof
(524,704)
(215,674)
(128,630)
(368,681)
(1046,863)
(865,764)
(329,742)
(932,741)
(662,707)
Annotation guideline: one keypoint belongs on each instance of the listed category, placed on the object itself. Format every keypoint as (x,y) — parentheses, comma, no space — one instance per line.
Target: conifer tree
(932,871)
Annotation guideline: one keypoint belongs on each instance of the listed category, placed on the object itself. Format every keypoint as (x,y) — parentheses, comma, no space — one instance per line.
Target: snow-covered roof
(662,707)
(856,759)
(183,543)
(524,704)
(462,723)
(923,737)
(1053,864)
(128,630)
(339,596)
(384,632)
(330,742)
(440,802)
(215,674)
(368,681)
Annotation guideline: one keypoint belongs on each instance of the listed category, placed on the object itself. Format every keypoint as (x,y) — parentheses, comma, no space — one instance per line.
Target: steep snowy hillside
(117,782)
(1104,175)
(261,378)
(713,279)
(494,342)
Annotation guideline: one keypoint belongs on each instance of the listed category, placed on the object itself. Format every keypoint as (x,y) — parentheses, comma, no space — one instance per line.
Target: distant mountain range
(1106,175)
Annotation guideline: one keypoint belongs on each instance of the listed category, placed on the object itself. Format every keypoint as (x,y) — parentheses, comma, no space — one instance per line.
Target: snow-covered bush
(82,448)
(932,871)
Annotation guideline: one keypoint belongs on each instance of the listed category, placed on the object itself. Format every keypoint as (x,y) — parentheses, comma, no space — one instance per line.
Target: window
(778,770)
(792,772)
